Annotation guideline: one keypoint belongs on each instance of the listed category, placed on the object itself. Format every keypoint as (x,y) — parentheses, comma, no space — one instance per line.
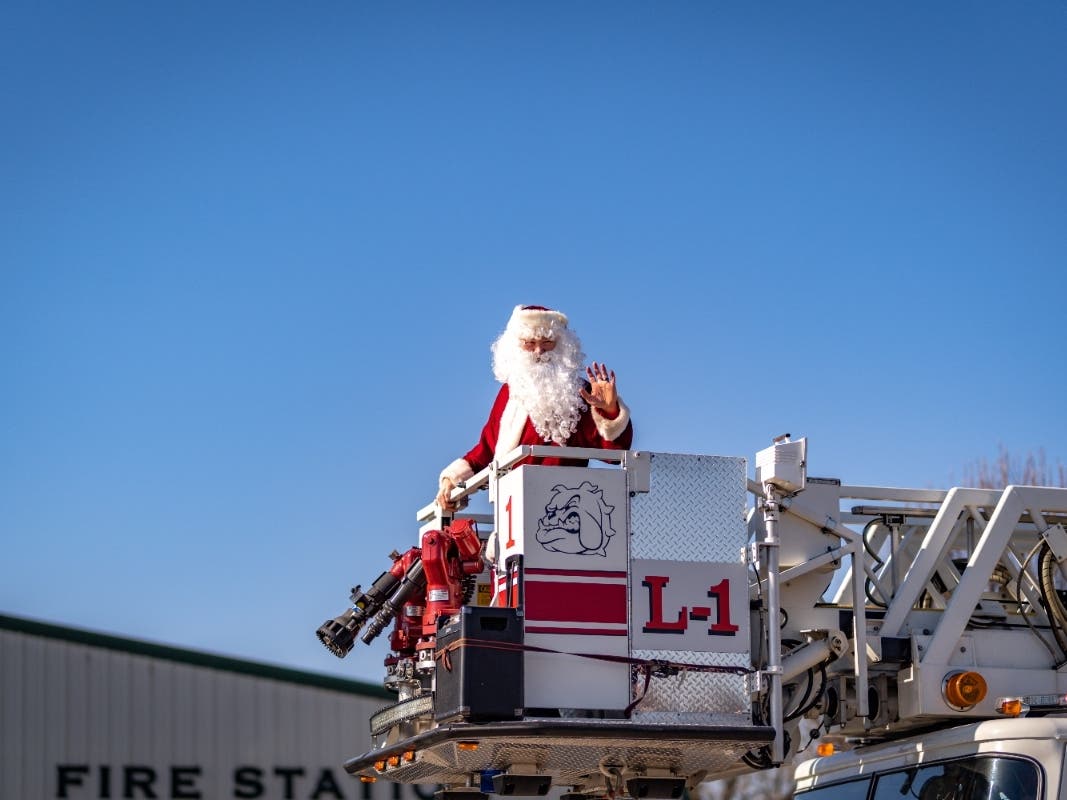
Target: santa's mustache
(534,368)
(533,360)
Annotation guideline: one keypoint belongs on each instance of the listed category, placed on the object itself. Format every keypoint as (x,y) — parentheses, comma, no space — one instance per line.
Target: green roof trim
(193,657)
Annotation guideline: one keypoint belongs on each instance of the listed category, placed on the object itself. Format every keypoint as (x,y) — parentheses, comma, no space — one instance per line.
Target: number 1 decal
(511,536)
(721,593)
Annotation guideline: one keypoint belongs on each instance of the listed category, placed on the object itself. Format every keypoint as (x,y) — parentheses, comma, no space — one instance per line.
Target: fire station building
(87,716)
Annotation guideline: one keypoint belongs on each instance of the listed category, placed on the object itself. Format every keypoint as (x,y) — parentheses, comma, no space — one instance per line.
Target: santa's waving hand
(602,394)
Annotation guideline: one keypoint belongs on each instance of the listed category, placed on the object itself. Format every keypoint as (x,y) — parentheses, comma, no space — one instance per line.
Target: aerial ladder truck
(656,620)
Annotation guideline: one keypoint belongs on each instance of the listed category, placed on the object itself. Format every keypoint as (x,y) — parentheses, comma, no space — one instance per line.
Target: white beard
(547,389)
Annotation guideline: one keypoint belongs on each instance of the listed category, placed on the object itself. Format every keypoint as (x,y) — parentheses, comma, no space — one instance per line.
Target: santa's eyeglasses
(535,345)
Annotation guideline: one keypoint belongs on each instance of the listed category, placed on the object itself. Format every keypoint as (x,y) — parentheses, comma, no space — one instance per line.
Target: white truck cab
(1009,759)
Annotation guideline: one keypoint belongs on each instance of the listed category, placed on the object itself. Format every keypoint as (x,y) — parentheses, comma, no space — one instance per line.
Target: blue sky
(252,256)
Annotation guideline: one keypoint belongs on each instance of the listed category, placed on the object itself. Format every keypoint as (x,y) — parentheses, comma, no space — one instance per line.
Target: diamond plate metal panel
(705,698)
(694,509)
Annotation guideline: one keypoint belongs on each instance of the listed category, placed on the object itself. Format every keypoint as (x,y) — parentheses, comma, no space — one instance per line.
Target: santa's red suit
(509,426)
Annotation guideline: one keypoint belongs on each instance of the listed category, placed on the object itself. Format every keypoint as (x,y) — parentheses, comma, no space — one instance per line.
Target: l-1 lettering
(720,592)
(657,623)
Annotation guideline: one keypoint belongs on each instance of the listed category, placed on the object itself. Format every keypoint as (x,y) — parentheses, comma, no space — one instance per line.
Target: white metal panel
(532,506)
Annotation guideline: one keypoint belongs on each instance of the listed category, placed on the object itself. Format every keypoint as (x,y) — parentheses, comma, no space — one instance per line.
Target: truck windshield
(975,778)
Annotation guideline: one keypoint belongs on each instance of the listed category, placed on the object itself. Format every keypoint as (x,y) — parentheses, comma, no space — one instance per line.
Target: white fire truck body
(634,630)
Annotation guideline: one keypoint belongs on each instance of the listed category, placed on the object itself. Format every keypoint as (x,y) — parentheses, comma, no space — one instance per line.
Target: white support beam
(1014,503)
(932,553)
(898,495)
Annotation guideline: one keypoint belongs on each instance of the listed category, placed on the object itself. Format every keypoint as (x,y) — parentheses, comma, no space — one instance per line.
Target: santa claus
(544,399)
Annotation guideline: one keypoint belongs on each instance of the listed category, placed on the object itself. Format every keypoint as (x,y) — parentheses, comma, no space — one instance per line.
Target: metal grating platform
(571,751)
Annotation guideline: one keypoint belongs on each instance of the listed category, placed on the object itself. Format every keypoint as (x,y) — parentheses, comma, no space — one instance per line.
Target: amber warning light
(1018,706)
(964,690)
(1011,706)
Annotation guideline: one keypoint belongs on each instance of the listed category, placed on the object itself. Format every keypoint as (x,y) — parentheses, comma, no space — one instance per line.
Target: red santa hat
(537,320)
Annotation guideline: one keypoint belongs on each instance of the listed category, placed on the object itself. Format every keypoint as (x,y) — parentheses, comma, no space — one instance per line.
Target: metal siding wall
(11,738)
(72,704)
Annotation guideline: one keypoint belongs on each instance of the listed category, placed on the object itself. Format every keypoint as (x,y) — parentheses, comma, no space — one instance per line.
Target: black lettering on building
(68,775)
(287,774)
(183,783)
(138,778)
(248,782)
(327,783)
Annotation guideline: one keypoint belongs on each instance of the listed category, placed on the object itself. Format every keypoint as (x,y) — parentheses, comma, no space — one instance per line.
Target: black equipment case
(478,681)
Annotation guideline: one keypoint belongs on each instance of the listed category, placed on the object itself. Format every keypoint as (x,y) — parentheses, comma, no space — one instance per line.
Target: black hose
(815,698)
(1057,615)
(1019,600)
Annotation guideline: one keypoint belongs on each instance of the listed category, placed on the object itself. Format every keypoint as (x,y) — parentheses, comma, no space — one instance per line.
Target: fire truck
(649,621)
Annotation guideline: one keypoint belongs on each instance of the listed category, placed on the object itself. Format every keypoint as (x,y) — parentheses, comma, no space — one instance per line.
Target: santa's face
(539,348)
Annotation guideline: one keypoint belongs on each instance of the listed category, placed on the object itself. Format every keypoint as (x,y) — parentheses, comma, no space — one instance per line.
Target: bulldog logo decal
(577,521)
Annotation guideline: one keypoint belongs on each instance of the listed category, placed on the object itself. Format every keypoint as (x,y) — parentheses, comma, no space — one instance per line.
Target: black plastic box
(477,682)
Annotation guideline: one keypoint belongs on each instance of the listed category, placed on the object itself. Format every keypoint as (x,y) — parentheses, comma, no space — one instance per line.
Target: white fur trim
(512,424)
(534,319)
(611,429)
(458,470)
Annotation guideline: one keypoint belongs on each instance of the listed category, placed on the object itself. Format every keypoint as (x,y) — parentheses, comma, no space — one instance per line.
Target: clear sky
(252,256)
